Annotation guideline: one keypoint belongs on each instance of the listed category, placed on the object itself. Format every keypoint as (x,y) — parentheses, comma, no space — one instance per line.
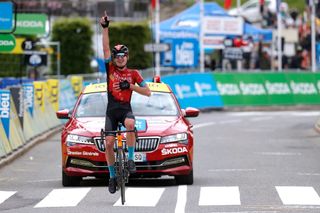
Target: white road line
(212,196)
(196,126)
(232,170)
(298,195)
(229,122)
(279,153)
(261,118)
(181,199)
(305,114)
(45,180)
(308,174)
(4,195)
(148,197)
(63,197)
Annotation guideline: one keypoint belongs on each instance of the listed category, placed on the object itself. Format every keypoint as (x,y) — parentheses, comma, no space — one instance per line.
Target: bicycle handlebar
(117,131)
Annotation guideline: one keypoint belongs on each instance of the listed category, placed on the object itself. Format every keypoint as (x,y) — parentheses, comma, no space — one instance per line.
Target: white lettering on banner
(318,85)
(185,54)
(181,89)
(5,19)
(204,89)
(29,24)
(252,89)
(228,89)
(277,88)
(28,96)
(303,88)
(174,151)
(4,105)
(6,43)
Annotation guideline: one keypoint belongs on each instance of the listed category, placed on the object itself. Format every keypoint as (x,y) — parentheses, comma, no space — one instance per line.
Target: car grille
(144,144)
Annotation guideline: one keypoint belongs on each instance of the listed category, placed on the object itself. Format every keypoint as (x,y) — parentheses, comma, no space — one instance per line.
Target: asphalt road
(245,162)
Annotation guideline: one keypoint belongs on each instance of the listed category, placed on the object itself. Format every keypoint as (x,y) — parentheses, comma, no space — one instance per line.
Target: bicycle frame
(121,162)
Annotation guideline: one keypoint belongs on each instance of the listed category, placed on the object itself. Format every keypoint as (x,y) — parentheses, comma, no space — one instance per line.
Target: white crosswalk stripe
(141,197)
(298,195)
(149,197)
(63,197)
(212,196)
(4,195)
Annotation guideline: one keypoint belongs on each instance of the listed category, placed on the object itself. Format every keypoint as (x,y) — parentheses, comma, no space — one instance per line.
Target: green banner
(7,42)
(258,89)
(31,24)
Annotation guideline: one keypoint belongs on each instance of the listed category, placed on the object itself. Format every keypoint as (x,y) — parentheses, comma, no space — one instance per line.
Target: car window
(92,105)
(95,105)
(158,103)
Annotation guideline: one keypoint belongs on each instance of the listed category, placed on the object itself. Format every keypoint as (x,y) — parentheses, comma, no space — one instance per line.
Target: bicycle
(121,161)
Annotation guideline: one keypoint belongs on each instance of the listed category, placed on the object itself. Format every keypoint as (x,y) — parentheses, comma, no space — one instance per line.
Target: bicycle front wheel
(121,175)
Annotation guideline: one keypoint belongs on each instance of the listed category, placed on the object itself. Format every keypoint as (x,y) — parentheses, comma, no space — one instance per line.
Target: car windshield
(157,104)
(92,105)
(95,105)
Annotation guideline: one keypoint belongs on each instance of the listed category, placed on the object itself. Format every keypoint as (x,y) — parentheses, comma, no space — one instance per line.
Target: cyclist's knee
(109,143)
(129,123)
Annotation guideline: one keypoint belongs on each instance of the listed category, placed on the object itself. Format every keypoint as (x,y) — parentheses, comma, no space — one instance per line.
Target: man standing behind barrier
(120,83)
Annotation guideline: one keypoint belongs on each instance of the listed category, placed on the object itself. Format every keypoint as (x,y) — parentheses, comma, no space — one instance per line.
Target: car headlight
(73,139)
(179,138)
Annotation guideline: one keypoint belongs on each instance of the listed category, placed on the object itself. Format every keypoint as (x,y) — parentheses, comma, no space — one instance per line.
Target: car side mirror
(63,114)
(191,112)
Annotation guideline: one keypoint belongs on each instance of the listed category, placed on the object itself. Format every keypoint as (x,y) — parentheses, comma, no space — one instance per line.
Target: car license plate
(140,157)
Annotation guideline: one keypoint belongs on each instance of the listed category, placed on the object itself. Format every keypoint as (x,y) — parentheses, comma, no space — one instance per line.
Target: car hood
(159,126)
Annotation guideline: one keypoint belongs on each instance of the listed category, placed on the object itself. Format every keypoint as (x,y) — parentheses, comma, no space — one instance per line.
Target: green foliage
(134,36)
(75,36)
(11,64)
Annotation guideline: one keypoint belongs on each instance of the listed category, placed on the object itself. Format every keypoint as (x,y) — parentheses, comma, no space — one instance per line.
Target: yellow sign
(53,93)
(39,92)
(102,87)
(158,87)
(76,83)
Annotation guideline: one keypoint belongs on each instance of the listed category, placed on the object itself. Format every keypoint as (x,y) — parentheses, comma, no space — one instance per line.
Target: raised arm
(104,21)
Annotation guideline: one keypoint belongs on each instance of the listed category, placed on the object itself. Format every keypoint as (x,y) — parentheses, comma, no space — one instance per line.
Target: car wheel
(70,181)
(184,179)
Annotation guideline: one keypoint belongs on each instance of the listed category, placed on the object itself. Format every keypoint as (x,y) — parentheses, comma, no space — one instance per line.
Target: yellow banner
(39,93)
(53,93)
(76,83)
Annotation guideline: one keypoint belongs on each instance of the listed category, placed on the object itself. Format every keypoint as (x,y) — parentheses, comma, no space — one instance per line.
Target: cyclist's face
(121,60)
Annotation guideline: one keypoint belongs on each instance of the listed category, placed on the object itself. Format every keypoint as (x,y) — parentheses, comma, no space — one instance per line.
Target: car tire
(70,181)
(184,179)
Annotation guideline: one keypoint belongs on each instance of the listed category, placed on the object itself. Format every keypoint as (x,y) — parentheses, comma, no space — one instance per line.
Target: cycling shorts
(113,117)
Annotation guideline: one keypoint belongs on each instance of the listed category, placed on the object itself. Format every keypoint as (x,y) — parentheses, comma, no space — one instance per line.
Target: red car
(165,136)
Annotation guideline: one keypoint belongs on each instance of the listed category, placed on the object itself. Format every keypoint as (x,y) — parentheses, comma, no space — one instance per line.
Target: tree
(75,36)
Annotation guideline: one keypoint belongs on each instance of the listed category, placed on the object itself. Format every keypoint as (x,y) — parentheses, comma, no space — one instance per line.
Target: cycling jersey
(121,99)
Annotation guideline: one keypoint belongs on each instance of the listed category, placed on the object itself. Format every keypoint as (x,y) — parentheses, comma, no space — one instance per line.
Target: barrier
(266,89)
(40,101)
(4,141)
(217,90)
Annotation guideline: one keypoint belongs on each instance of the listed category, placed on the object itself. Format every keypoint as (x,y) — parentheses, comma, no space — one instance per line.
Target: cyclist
(121,82)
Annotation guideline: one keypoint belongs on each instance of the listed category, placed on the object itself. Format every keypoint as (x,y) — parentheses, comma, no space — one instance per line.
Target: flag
(227,4)
(153,4)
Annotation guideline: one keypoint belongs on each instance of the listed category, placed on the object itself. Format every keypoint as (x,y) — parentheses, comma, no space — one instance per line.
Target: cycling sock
(112,171)
(130,152)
